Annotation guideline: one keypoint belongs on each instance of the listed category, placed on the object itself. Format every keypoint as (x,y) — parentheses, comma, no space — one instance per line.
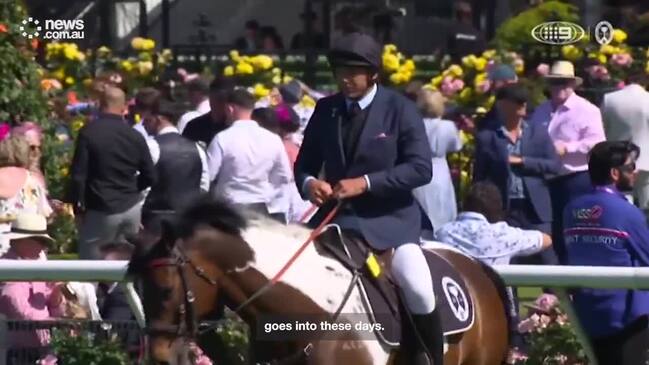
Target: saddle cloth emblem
(456,298)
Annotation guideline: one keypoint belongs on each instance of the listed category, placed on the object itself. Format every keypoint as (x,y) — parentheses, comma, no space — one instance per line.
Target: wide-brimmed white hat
(563,70)
(28,225)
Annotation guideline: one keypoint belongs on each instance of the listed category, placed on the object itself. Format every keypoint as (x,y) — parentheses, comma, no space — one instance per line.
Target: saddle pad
(452,295)
(453,300)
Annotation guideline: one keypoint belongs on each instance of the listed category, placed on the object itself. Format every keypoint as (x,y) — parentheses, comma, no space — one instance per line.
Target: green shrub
(86,349)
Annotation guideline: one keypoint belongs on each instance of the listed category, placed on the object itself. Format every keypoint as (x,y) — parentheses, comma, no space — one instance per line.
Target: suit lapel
(526,139)
(373,125)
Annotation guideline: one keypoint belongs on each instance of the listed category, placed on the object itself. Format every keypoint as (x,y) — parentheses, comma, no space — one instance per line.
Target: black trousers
(627,347)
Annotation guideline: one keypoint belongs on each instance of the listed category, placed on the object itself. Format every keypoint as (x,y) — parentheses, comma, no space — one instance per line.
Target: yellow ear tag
(373,265)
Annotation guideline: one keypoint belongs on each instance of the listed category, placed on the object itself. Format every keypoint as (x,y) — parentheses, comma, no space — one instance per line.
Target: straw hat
(563,70)
(29,225)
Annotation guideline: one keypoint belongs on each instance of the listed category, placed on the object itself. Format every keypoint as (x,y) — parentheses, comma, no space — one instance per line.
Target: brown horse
(212,251)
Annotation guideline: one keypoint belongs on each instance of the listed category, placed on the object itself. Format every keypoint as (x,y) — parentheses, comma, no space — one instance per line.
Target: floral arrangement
(552,340)
(256,72)
(398,69)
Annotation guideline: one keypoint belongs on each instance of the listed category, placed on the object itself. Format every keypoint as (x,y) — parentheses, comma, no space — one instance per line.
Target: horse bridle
(187,326)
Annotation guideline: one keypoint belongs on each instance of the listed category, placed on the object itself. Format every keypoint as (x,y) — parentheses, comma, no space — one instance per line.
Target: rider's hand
(349,188)
(319,191)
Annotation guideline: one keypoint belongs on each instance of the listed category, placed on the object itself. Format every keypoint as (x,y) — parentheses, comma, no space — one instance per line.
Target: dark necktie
(351,129)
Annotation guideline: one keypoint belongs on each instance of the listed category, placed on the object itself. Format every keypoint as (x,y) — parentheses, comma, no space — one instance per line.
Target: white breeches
(410,271)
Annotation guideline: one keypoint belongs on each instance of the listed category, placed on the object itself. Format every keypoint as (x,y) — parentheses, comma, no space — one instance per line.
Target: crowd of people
(549,183)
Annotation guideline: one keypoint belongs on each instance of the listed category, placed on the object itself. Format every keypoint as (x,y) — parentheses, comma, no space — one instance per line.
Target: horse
(213,251)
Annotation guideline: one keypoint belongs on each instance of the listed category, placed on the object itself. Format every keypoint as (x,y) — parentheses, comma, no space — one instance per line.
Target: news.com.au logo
(563,33)
(54,29)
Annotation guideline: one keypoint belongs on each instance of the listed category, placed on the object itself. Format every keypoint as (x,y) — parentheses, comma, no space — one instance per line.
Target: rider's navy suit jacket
(393,153)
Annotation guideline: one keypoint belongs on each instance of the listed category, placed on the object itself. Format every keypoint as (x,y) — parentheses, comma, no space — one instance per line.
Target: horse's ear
(168,234)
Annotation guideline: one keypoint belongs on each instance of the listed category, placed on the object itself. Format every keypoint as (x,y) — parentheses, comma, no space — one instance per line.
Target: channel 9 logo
(563,33)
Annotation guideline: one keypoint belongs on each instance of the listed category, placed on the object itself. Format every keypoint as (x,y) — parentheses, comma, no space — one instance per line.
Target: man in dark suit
(517,157)
(374,149)
(202,129)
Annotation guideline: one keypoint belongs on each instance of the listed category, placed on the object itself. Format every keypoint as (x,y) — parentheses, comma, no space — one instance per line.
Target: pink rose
(48,360)
(622,59)
(546,302)
(530,324)
(458,85)
(621,85)
(484,86)
(545,321)
(598,72)
(543,69)
(201,359)
(562,319)
(5,129)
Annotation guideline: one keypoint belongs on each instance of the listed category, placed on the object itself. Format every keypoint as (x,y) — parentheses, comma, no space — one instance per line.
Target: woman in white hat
(34,301)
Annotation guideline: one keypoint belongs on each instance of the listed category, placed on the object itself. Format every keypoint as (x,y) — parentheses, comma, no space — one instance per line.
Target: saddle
(383,298)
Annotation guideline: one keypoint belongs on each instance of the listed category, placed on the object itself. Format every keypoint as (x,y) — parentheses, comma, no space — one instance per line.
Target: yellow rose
(103,51)
(145,67)
(619,36)
(126,65)
(287,79)
(607,49)
(455,71)
(480,64)
(70,51)
(390,62)
(234,56)
(437,80)
(244,68)
(64,171)
(489,54)
(277,79)
(397,78)
(276,71)
(465,95)
(137,43)
(166,53)
(262,62)
(490,102)
(77,124)
(390,48)
(59,74)
(69,80)
(260,91)
(228,71)
(408,66)
(571,52)
(469,61)
(87,82)
(148,44)
(80,56)
(430,87)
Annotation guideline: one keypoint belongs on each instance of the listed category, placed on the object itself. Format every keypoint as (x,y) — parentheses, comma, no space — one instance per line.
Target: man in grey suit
(626,117)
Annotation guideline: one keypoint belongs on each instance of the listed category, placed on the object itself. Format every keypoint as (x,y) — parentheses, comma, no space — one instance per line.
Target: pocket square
(381,135)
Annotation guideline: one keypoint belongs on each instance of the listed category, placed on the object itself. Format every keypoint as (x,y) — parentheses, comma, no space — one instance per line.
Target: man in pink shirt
(575,126)
(33,301)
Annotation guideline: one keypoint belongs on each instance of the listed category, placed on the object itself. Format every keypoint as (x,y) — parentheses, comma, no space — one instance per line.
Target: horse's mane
(204,211)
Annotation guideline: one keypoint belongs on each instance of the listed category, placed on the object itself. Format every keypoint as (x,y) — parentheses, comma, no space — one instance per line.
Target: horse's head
(191,256)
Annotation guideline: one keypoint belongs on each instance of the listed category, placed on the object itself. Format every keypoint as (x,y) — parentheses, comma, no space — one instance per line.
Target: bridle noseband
(187,326)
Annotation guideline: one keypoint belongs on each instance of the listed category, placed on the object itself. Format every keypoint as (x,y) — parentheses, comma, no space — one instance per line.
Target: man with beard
(603,229)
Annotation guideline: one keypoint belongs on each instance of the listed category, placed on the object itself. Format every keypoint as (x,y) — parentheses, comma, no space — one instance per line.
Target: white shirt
(249,164)
(492,243)
(154,149)
(203,108)
(140,128)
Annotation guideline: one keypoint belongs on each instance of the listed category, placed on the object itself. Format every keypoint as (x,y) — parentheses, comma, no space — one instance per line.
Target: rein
(187,326)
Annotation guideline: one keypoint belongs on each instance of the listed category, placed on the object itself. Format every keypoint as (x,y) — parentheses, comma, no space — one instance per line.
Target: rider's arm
(310,158)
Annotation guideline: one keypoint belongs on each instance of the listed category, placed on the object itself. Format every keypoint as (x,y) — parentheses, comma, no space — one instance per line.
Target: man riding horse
(372,143)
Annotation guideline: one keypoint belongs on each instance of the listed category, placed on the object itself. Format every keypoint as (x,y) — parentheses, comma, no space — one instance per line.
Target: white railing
(514,275)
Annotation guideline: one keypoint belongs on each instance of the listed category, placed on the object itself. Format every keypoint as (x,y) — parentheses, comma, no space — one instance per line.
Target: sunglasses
(630,167)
